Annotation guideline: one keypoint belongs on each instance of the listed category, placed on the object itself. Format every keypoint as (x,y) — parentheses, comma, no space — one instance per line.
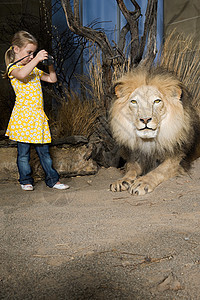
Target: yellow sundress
(28,122)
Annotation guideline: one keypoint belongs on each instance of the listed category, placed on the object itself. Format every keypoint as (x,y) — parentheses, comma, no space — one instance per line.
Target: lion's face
(146,110)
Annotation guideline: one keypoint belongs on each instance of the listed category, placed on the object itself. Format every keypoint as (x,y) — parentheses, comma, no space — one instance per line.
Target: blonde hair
(20,39)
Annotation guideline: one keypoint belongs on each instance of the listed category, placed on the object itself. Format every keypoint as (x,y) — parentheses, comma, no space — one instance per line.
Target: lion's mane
(178,129)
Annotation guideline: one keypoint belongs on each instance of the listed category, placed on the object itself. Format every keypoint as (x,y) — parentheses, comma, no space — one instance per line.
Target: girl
(28,123)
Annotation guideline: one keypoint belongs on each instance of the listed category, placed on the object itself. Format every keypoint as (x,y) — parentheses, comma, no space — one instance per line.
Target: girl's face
(29,49)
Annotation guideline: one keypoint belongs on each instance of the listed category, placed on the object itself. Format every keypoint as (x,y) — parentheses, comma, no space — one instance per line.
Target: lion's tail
(181,55)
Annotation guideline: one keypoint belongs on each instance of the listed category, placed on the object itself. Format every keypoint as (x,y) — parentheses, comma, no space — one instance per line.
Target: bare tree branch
(130,15)
(76,12)
(151,19)
(122,36)
(132,19)
(147,25)
(91,34)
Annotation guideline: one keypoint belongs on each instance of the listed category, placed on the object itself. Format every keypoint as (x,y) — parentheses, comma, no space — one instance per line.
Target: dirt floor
(90,243)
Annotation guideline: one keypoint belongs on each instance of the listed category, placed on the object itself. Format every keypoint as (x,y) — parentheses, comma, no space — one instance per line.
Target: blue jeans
(23,158)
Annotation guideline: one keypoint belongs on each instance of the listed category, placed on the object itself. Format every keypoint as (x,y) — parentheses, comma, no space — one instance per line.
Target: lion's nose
(145,120)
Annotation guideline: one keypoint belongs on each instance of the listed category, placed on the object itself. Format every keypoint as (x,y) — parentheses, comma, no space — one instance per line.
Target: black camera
(49,61)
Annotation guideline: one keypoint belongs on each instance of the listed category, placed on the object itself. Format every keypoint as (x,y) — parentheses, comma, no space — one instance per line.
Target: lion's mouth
(147,132)
(146,127)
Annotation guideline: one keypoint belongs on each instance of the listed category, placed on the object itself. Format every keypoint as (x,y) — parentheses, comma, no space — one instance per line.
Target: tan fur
(152,117)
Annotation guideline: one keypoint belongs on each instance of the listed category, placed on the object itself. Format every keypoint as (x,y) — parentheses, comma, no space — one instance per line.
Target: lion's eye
(157,101)
(134,101)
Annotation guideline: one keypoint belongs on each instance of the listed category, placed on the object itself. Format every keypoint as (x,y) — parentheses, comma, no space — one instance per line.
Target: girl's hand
(41,55)
(22,73)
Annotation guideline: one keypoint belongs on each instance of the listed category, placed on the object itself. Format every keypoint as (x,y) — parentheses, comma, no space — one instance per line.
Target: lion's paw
(120,185)
(141,187)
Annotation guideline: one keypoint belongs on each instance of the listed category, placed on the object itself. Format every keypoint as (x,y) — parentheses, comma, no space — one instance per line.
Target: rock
(68,161)
(8,164)
(72,161)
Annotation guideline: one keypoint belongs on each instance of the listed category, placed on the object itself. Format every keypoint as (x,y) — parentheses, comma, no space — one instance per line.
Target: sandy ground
(90,243)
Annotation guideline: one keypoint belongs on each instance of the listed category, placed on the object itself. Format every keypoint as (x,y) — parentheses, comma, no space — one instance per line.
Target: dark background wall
(184,15)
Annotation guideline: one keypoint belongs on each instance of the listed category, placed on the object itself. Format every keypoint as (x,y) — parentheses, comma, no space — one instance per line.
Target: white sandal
(60,186)
(27,187)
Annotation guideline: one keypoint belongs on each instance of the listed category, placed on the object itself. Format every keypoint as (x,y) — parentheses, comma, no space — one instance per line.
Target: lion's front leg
(147,183)
(132,171)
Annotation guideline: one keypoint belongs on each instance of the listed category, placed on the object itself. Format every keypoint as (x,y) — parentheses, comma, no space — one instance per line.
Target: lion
(153,118)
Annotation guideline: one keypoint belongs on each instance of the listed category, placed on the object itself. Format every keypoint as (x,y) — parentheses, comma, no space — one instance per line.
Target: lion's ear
(176,92)
(118,89)
(179,92)
(185,95)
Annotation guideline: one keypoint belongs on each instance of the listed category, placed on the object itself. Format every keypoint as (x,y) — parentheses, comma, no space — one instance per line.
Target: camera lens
(49,61)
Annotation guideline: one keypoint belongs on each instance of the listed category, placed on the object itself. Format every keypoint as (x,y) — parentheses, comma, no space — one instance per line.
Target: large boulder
(68,160)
